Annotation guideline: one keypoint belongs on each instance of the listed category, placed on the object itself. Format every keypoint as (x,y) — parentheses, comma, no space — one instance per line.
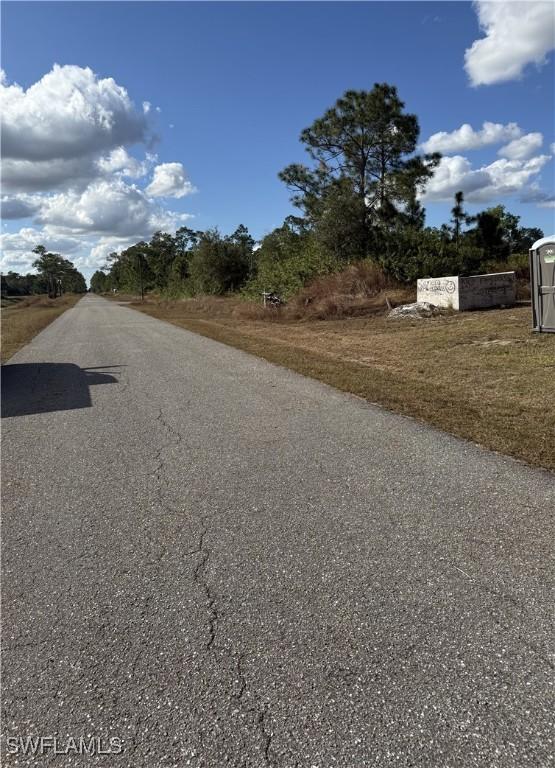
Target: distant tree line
(55,276)
(188,262)
(357,198)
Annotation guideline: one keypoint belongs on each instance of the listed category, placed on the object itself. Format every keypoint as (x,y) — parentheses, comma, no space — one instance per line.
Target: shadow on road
(29,388)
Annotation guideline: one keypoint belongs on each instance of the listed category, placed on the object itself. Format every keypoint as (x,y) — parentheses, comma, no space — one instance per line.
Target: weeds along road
(225,564)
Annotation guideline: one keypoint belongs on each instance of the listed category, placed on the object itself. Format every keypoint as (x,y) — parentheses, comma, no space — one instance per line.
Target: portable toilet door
(542,283)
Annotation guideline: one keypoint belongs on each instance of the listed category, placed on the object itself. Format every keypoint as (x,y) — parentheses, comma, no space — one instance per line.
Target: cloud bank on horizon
(515,172)
(66,165)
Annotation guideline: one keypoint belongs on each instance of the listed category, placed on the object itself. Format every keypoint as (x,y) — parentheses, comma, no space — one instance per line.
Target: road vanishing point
(222,563)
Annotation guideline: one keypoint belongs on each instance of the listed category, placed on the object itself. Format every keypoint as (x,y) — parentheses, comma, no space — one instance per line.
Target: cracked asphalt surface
(226,564)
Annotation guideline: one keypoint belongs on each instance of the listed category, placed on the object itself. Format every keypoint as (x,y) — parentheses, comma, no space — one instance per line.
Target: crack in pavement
(267,736)
(199,577)
(201,581)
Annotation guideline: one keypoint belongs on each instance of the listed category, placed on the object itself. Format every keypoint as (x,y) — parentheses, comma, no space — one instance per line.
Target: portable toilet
(542,284)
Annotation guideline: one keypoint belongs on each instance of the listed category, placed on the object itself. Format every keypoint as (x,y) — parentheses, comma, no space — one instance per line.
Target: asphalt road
(223,563)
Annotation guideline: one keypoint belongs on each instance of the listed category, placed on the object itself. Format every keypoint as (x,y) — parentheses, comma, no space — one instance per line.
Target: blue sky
(230,87)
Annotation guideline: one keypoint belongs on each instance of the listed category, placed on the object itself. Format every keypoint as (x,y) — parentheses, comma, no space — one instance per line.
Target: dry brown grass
(360,289)
(481,375)
(23,319)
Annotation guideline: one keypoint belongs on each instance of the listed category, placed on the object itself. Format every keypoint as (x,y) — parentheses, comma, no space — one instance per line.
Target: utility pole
(140,258)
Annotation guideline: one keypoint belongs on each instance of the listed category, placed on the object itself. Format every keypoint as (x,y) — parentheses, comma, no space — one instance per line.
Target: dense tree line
(55,276)
(15,284)
(358,197)
(187,262)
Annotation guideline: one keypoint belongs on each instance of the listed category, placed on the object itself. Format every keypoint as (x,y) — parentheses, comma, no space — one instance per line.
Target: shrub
(286,261)
(411,254)
(217,265)
(520,265)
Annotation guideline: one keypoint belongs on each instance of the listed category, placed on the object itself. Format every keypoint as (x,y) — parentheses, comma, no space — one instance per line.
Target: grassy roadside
(483,376)
(23,318)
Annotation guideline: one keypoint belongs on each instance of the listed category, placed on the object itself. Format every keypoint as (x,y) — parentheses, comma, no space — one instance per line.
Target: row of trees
(55,276)
(358,197)
(466,245)
(193,262)
(187,262)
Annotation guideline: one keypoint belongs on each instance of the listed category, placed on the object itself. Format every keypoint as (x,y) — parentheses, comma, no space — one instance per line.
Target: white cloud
(107,207)
(466,138)
(486,184)
(109,214)
(68,113)
(107,245)
(516,34)
(17,247)
(510,176)
(66,165)
(512,173)
(56,133)
(453,174)
(120,161)
(522,148)
(169,180)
